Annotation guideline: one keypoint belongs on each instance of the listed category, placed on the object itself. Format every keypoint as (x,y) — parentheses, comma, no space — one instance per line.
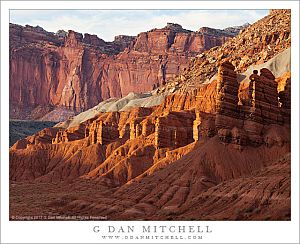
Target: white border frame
(82,231)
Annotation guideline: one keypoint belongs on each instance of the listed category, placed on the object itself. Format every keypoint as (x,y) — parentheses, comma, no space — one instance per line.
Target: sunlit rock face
(76,71)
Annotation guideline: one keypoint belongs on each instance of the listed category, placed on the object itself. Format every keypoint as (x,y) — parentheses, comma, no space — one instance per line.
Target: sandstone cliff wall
(77,72)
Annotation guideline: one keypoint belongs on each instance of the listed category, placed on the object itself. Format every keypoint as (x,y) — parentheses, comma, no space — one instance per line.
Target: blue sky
(109,23)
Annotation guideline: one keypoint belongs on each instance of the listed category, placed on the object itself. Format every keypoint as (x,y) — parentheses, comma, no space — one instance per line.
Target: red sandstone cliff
(217,152)
(48,70)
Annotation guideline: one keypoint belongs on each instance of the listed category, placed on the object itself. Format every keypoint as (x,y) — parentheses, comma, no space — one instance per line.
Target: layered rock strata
(149,168)
(78,72)
(174,130)
(227,99)
(75,133)
(243,123)
(264,98)
(285,101)
(203,126)
(240,122)
(103,133)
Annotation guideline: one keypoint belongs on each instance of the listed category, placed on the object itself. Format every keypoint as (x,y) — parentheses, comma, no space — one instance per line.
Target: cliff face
(48,70)
(77,72)
(216,151)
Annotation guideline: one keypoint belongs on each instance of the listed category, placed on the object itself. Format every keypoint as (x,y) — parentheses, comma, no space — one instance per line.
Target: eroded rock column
(227,113)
